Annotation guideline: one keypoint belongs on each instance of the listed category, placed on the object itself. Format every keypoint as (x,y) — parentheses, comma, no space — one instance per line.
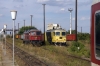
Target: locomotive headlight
(36,37)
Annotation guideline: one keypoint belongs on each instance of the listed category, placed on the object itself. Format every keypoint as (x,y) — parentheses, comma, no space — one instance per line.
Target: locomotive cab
(35,37)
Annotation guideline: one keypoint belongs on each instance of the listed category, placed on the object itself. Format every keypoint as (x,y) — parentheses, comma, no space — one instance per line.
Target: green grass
(82,51)
(53,55)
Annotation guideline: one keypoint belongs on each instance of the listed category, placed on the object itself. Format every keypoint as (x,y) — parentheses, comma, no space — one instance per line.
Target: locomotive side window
(57,33)
(63,33)
(97,35)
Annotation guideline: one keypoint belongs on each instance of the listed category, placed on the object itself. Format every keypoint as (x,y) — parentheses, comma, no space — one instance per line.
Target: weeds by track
(54,54)
(27,58)
(71,56)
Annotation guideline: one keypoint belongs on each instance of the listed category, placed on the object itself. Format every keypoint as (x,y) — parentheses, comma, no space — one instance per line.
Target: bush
(75,45)
(81,51)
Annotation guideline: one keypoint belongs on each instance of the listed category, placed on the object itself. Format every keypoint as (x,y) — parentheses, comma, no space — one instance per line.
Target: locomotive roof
(55,30)
(34,30)
(95,1)
(26,31)
(31,30)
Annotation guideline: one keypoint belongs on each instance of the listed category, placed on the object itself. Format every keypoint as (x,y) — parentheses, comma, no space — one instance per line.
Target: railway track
(28,59)
(88,60)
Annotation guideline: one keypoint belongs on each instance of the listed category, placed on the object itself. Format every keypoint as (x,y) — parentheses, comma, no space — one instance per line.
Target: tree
(21,31)
(73,31)
(83,36)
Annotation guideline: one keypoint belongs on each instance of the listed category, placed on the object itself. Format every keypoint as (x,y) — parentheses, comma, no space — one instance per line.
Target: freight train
(54,35)
(95,33)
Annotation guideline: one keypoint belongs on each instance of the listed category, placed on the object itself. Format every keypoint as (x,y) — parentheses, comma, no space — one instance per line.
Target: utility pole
(76,19)
(81,30)
(18,27)
(24,25)
(44,20)
(70,9)
(31,19)
(14,30)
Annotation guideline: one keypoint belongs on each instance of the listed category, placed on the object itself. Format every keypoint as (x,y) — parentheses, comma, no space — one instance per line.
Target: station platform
(5,57)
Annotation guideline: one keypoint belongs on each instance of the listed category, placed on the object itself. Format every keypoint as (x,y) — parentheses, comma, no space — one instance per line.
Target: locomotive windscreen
(57,33)
(97,35)
(63,33)
(38,33)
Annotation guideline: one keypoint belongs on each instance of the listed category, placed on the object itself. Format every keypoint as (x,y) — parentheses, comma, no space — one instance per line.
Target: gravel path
(5,57)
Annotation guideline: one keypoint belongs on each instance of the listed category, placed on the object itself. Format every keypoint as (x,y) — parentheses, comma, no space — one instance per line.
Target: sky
(56,11)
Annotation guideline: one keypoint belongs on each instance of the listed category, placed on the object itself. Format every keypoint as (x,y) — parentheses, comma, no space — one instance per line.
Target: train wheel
(42,43)
(33,43)
(30,42)
(65,44)
(60,44)
(38,44)
(23,42)
(55,44)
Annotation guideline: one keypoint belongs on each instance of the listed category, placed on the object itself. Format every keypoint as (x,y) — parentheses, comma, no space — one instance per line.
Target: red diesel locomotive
(95,33)
(33,36)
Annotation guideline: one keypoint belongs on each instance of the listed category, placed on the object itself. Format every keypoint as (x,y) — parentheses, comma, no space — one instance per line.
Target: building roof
(55,30)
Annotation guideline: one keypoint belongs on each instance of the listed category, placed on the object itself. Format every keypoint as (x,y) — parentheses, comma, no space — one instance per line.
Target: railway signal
(5,27)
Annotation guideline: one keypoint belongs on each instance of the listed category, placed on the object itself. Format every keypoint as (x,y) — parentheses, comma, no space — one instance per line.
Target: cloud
(62,9)
(55,2)
(42,1)
(3,8)
(19,6)
(17,0)
(85,2)
(59,0)
(84,18)
(1,15)
(64,2)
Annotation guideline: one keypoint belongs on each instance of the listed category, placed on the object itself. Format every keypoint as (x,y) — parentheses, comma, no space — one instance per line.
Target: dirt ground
(5,56)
